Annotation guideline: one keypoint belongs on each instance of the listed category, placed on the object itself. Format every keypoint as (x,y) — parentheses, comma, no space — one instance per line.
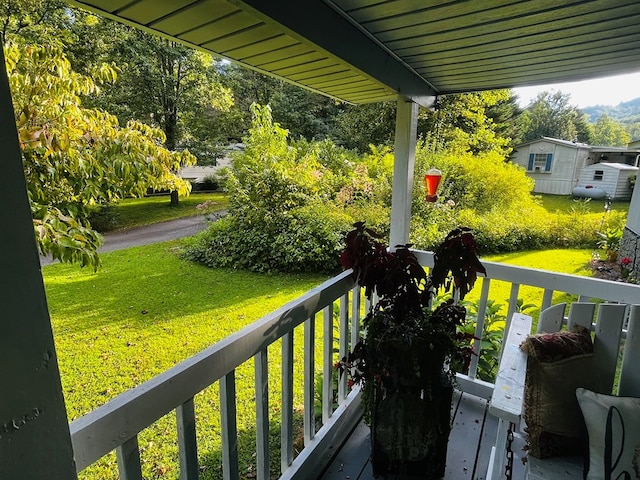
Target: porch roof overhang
(362,51)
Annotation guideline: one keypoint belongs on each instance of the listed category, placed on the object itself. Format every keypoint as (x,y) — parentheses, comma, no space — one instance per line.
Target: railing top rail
(586,286)
(100,431)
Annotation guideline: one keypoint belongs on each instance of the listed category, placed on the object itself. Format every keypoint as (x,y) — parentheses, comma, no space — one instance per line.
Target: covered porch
(354,51)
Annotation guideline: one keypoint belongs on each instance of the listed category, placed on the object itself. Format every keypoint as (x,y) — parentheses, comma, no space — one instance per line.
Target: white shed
(613,178)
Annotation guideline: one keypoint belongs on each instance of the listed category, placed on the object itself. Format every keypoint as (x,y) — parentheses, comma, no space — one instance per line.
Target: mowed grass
(133,212)
(145,311)
(564,204)
(571,261)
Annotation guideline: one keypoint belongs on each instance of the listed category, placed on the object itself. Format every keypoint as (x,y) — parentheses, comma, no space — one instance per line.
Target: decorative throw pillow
(613,424)
(551,347)
(558,363)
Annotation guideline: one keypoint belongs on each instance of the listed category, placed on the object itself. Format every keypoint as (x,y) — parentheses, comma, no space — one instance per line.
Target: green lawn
(564,204)
(146,310)
(572,261)
(132,212)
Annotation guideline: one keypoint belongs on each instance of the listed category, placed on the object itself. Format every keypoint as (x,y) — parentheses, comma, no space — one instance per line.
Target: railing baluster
(128,456)
(344,344)
(187,444)
(262,415)
(482,312)
(286,429)
(513,303)
(355,315)
(547,297)
(228,423)
(309,379)
(327,364)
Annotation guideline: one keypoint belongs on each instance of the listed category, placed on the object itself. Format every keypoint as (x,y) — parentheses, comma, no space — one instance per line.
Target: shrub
(209,183)
(482,192)
(507,230)
(309,238)
(103,218)
(287,212)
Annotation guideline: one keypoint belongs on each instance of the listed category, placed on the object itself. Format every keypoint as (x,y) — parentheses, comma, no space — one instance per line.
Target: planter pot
(410,432)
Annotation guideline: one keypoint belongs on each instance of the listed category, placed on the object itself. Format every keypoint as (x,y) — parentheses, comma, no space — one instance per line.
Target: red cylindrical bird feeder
(431,182)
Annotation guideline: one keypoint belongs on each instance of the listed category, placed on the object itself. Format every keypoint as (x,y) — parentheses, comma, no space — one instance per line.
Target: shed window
(540,162)
(598,175)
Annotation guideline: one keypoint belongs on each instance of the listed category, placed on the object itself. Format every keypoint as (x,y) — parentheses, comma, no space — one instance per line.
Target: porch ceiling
(362,51)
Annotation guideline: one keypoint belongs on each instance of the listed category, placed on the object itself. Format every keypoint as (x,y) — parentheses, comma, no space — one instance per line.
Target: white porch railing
(116,424)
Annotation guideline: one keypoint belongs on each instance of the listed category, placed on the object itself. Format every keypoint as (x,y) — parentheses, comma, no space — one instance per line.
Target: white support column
(34,433)
(405,149)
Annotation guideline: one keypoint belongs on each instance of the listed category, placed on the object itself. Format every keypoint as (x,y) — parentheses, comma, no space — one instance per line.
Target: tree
(32,20)
(180,85)
(608,132)
(76,158)
(358,126)
(460,123)
(303,113)
(551,115)
(503,115)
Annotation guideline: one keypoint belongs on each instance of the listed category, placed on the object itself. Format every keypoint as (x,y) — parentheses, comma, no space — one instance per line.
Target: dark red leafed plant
(456,262)
(407,342)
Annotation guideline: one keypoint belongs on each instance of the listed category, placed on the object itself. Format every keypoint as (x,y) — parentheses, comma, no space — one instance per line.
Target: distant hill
(627,113)
(623,112)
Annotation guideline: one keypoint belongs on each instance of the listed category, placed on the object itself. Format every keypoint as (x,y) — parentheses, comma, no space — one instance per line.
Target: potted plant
(410,348)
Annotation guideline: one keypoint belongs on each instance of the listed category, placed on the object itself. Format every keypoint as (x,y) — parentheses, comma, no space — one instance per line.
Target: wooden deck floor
(472,435)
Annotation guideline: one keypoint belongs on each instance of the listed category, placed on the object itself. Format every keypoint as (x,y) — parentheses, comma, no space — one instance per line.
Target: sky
(602,91)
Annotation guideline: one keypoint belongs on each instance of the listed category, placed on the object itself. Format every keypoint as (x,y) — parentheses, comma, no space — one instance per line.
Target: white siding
(623,189)
(633,217)
(567,162)
(615,179)
(197,173)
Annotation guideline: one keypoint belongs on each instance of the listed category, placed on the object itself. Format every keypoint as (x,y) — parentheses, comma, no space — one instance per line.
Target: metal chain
(508,469)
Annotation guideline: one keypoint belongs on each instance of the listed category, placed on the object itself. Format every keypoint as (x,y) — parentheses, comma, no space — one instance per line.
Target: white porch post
(405,149)
(34,432)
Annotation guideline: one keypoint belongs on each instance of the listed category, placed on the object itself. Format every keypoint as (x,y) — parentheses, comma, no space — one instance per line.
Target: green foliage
(76,158)
(551,115)
(492,337)
(508,230)
(476,191)
(34,21)
(608,132)
(359,126)
(308,238)
(463,123)
(182,91)
(610,242)
(289,206)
